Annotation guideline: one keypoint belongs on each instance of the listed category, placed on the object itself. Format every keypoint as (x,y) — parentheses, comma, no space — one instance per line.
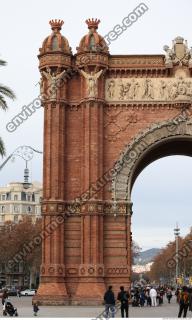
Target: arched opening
(161,198)
(159,141)
(180,146)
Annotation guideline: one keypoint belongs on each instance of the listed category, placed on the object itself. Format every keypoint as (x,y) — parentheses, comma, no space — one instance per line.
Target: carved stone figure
(190,57)
(42,89)
(124,90)
(53,82)
(173,91)
(163,90)
(111,89)
(91,82)
(121,90)
(169,55)
(189,89)
(179,54)
(148,89)
(133,93)
(127,90)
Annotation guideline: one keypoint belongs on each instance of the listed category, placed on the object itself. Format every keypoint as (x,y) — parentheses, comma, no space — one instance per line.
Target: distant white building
(16,201)
(142,268)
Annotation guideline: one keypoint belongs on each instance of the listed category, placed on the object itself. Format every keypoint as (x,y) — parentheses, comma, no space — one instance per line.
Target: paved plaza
(24,306)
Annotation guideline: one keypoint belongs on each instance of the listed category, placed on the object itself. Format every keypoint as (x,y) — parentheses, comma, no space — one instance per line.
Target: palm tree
(5,92)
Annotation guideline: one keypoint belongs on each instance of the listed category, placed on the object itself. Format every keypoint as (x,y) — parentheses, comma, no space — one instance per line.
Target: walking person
(35,309)
(142,298)
(109,299)
(190,299)
(148,298)
(123,297)
(169,295)
(183,302)
(153,296)
(4,296)
(18,293)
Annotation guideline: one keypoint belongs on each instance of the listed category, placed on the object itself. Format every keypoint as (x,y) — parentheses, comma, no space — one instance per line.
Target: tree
(165,262)
(15,248)
(5,92)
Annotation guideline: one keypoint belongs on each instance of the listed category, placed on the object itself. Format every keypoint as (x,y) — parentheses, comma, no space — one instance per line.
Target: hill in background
(146,256)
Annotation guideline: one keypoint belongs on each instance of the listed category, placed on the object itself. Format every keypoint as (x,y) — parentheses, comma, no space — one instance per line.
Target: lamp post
(177,233)
(26,153)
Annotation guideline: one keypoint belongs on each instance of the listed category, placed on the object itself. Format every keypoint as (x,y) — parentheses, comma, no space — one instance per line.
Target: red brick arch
(102,119)
(145,142)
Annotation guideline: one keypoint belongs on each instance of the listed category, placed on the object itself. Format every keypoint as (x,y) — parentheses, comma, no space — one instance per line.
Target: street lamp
(177,233)
(26,153)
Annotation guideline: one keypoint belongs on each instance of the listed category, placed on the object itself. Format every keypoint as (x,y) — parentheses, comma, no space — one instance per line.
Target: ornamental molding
(83,208)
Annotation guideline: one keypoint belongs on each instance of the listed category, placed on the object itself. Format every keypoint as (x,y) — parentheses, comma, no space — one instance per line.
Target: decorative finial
(92,23)
(56,25)
(179,40)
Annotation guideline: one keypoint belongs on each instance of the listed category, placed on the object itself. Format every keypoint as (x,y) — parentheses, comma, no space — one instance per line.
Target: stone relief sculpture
(163,90)
(134,89)
(111,88)
(169,57)
(127,89)
(148,89)
(172,91)
(42,88)
(121,90)
(91,82)
(52,78)
(179,54)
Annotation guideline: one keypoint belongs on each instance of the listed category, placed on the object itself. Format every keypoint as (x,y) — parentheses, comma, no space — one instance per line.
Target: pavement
(24,307)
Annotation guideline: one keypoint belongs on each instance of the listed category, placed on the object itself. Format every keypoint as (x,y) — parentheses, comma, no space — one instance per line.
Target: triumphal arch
(106,117)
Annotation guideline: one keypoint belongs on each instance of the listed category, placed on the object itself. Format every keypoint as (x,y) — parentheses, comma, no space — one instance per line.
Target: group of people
(9,309)
(150,296)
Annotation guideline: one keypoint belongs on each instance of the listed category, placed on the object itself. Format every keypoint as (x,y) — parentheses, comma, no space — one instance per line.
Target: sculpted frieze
(148,89)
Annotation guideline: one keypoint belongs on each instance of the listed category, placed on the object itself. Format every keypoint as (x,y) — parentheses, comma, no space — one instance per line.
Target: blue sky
(24,25)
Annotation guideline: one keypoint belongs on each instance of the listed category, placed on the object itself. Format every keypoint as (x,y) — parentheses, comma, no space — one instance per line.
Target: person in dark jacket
(109,299)
(190,299)
(183,302)
(123,297)
(35,309)
(169,295)
(4,296)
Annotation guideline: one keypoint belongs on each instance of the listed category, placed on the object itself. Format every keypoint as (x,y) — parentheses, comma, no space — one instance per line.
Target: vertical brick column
(91,271)
(129,241)
(52,288)
(55,58)
(117,244)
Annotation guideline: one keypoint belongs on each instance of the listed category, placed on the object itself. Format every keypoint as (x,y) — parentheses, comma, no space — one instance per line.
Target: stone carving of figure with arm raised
(91,82)
(53,81)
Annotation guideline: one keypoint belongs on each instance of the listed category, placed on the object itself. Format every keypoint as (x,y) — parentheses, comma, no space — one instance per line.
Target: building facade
(106,117)
(16,201)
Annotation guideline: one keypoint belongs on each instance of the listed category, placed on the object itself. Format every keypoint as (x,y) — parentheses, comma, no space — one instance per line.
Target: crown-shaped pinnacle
(92,23)
(56,24)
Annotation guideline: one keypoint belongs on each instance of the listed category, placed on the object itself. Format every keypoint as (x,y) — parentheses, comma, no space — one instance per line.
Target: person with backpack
(109,299)
(123,297)
(183,302)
